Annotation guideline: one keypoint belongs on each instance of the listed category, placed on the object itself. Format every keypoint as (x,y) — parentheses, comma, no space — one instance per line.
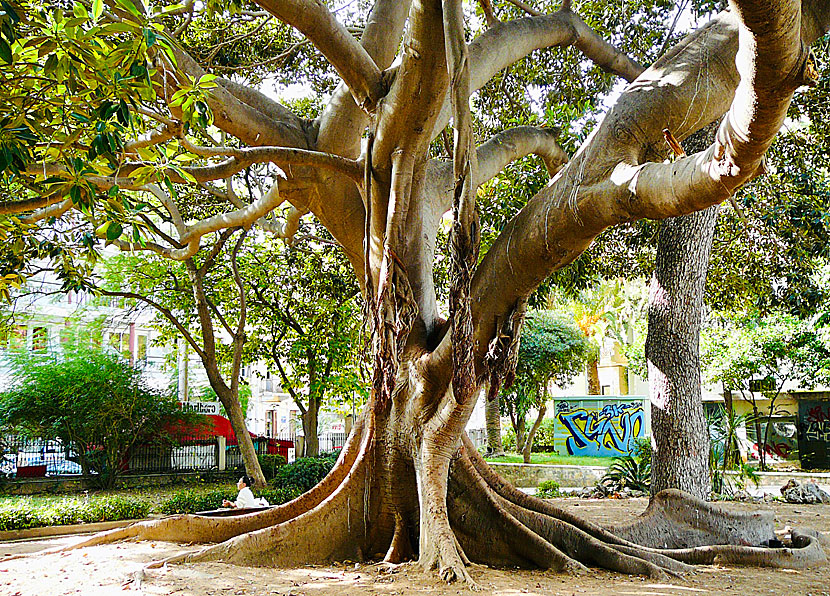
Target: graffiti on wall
(607,432)
(814,434)
(817,424)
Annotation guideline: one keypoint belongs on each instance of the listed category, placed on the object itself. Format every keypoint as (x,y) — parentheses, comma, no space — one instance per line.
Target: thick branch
(351,61)
(281,156)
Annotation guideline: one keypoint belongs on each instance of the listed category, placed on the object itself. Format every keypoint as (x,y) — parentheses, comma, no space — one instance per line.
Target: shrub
(543,439)
(627,472)
(270,463)
(278,496)
(303,473)
(508,440)
(548,489)
(642,450)
(193,500)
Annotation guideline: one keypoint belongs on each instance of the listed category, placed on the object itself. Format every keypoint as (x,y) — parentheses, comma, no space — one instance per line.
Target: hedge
(21,514)
(290,481)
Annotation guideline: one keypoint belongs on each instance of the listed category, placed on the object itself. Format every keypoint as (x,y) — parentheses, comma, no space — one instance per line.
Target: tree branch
(351,61)
(164,311)
(239,336)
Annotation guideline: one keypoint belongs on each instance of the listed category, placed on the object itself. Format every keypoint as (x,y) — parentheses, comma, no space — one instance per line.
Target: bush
(627,472)
(508,440)
(543,439)
(303,473)
(270,463)
(193,500)
(22,513)
(548,489)
(642,450)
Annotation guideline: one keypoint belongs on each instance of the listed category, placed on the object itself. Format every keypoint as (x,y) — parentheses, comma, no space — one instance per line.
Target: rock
(804,494)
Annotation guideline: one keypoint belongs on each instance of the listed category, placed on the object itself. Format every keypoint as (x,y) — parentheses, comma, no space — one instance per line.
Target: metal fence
(478,436)
(33,457)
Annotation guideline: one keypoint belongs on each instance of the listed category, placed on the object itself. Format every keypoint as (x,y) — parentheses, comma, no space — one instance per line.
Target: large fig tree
(110,125)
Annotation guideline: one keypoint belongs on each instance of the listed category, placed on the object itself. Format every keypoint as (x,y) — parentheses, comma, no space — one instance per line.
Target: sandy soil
(116,569)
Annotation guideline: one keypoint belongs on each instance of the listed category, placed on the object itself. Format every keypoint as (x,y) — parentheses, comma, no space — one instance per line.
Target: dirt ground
(116,569)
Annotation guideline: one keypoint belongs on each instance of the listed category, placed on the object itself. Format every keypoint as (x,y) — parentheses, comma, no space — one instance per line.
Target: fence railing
(22,456)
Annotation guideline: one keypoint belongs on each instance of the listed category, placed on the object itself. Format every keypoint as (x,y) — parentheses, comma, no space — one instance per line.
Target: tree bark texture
(492,417)
(680,439)
(527,449)
(592,373)
(408,484)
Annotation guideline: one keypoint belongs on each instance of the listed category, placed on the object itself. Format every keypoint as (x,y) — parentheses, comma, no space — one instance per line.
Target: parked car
(61,467)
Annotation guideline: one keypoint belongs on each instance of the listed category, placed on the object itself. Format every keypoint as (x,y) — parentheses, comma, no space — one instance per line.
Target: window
(120,342)
(141,348)
(40,339)
(13,337)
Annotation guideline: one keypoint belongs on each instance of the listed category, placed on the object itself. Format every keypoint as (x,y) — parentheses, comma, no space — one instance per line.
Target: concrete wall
(530,475)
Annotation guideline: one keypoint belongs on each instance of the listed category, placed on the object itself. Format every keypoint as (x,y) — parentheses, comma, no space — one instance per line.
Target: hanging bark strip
(464,238)
(503,350)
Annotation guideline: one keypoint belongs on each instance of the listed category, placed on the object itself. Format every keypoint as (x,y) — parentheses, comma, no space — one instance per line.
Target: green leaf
(114,231)
(5,51)
(79,10)
(149,37)
(97,9)
(130,7)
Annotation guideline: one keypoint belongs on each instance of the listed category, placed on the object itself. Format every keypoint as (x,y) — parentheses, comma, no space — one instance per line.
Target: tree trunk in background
(593,376)
(519,428)
(493,423)
(243,437)
(528,446)
(679,435)
(311,445)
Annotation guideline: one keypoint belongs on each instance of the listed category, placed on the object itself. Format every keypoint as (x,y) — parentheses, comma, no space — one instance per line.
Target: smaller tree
(758,357)
(96,403)
(307,326)
(552,351)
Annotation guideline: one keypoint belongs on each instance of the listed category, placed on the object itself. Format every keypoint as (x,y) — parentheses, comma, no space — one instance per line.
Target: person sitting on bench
(245,499)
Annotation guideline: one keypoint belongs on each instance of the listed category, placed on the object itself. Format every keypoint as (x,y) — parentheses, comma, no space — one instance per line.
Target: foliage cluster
(270,464)
(548,489)
(627,472)
(552,351)
(630,471)
(96,403)
(303,473)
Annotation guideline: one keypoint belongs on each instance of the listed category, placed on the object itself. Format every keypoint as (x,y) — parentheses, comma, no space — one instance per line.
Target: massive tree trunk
(680,439)
(408,484)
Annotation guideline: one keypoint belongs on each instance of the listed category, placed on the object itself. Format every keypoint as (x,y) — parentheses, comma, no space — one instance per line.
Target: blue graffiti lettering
(609,432)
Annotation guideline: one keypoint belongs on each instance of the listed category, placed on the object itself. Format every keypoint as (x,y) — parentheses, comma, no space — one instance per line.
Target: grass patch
(553,459)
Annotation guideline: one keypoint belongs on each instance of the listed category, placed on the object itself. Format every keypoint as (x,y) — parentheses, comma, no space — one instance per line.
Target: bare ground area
(116,568)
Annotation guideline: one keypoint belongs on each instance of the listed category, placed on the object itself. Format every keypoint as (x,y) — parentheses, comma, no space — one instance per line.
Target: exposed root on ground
(188,528)
(482,520)
(675,532)
(336,528)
